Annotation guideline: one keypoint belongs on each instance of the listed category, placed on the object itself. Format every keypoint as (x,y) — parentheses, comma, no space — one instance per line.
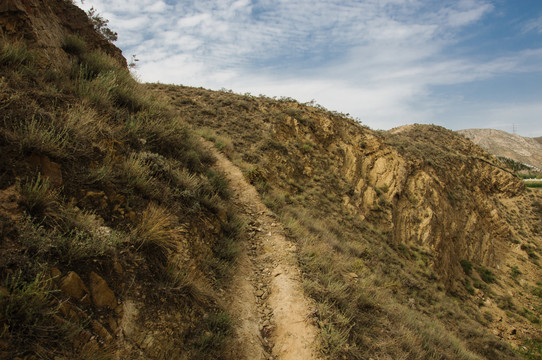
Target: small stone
(117,267)
(100,330)
(73,286)
(102,295)
(259,293)
(113,324)
(55,273)
(49,170)
(131,215)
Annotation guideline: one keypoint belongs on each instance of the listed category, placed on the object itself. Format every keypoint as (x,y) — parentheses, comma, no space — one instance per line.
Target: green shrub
(216,328)
(15,53)
(38,199)
(42,135)
(97,62)
(467,266)
(219,184)
(79,237)
(530,250)
(28,315)
(101,25)
(74,45)
(515,272)
(506,302)
(486,275)
(532,349)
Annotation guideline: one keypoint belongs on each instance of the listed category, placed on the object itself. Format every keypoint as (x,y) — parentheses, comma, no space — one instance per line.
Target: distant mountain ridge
(500,143)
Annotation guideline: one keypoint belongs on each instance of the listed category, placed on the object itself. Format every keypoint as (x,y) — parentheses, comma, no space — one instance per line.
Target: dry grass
(373,295)
(15,54)
(41,134)
(39,199)
(139,176)
(155,230)
(122,152)
(27,314)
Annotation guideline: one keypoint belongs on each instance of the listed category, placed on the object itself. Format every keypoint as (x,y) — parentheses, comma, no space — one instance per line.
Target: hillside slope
(414,243)
(500,143)
(123,237)
(117,235)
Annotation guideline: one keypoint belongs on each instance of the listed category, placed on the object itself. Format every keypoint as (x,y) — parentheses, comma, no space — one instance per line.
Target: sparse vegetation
(26,314)
(137,200)
(131,179)
(467,266)
(361,278)
(486,275)
(101,25)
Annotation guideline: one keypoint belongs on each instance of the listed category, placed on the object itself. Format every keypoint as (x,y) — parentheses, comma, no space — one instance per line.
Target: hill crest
(501,143)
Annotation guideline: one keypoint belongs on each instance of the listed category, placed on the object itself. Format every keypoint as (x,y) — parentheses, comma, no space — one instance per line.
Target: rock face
(500,143)
(44,24)
(429,186)
(418,185)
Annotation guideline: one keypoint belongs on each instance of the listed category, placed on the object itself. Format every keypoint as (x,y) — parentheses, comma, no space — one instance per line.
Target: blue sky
(460,64)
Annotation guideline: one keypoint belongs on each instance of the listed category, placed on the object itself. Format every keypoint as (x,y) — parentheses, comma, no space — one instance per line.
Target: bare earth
(497,142)
(273,316)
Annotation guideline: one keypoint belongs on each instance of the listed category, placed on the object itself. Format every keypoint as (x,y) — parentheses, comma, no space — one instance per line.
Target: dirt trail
(273,315)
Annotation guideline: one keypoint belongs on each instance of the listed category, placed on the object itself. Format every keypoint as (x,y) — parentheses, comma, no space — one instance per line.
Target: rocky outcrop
(423,185)
(44,25)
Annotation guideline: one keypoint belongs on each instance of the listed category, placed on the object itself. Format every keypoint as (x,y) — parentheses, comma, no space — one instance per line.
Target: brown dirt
(266,299)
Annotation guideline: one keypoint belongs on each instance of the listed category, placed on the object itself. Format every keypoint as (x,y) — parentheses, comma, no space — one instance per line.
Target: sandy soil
(273,315)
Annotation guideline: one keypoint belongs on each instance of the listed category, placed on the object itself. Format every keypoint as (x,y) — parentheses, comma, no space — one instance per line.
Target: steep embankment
(116,233)
(500,143)
(392,228)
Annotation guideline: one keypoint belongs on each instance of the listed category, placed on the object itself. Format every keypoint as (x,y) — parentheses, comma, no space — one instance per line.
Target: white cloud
(534,25)
(376,59)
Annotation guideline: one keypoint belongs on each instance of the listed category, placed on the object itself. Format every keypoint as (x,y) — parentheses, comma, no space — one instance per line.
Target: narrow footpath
(273,316)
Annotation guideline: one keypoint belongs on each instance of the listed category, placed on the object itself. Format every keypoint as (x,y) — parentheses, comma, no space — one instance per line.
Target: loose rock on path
(273,316)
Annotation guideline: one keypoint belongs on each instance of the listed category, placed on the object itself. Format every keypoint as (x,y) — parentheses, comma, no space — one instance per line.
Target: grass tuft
(74,45)
(27,314)
(15,53)
(40,136)
(38,199)
(155,230)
